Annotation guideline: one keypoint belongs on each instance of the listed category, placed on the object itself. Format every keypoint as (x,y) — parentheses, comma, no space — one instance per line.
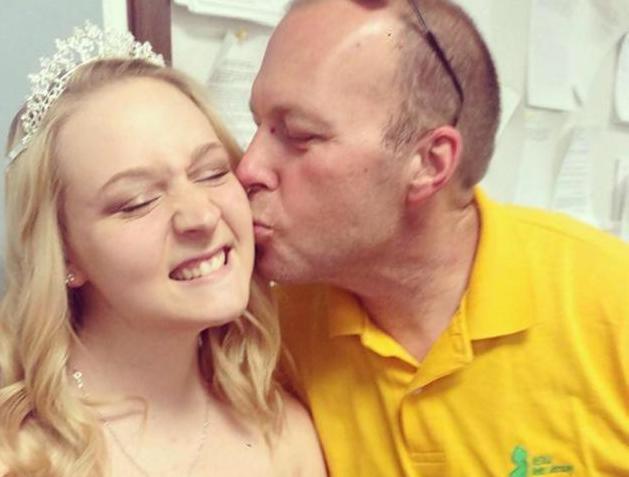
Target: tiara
(86,44)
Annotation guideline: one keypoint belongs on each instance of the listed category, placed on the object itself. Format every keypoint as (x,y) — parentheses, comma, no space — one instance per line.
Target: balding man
(434,332)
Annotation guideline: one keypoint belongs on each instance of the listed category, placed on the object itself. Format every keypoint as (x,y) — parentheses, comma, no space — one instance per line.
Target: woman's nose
(195,213)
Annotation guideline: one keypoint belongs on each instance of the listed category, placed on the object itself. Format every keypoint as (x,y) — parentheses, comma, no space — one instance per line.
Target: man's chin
(276,272)
(265,268)
(287,268)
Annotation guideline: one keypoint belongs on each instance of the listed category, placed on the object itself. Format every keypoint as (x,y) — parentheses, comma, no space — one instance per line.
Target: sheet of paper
(509,101)
(621,93)
(573,191)
(535,173)
(230,82)
(624,221)
(599,25)
(267,12)
(550,59)
(621,182)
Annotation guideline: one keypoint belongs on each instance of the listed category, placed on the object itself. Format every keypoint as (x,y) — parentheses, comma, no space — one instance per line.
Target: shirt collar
(500,297)
(345,314)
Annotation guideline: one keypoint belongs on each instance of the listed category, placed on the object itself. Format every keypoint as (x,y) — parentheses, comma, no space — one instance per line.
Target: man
(434,332)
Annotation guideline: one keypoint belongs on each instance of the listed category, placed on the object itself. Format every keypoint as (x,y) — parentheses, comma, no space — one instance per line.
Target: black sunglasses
(434,44)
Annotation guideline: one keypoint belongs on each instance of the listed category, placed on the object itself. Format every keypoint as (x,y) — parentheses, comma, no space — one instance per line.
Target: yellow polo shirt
(531,377)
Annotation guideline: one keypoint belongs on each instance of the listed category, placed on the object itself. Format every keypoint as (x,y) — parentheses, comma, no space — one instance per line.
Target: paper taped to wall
(550,60)
(230,81)
(621,181)
(536,171)
(509,101)
(267,12)
(600,24)
(621,93)
(573,191)
(624,221)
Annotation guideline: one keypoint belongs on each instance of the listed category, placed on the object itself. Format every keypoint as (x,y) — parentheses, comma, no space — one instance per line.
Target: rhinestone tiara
(87,44)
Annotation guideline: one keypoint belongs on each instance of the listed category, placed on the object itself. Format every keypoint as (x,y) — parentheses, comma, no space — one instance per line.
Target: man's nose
(257,169)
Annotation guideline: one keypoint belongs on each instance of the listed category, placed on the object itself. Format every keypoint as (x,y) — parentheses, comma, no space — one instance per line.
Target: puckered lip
(194,261)
(262,232)
(261,224)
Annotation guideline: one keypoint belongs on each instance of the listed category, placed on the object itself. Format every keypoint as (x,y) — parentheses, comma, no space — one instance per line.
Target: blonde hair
(45,429)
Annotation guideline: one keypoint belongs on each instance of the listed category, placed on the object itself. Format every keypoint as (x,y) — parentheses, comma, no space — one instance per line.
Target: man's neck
(414,293)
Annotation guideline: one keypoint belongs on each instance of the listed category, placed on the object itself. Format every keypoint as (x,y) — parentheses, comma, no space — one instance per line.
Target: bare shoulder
(297,452)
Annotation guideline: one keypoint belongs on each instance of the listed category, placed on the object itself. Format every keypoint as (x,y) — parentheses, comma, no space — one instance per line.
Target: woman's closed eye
(136,206)
(211,176)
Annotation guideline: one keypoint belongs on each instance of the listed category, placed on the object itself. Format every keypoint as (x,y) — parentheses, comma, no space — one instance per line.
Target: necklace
(80,384)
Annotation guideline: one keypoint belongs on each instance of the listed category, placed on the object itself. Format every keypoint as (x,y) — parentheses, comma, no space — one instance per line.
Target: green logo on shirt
(518,457)
(539,464)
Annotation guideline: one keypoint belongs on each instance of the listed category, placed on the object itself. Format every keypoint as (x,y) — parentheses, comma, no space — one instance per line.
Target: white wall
(509,39)
(27,31)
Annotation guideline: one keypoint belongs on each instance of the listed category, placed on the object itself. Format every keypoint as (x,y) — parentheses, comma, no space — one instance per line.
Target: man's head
(355,136)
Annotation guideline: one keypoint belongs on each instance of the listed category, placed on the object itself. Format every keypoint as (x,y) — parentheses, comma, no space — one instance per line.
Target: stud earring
(69,278)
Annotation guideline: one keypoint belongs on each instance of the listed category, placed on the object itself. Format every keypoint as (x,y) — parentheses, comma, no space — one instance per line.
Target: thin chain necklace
(80,384)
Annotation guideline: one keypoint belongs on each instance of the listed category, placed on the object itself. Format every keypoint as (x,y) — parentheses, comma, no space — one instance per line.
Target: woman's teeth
(201,269)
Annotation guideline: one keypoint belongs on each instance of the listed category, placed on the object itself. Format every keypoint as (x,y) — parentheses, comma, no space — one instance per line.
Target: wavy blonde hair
(45,430)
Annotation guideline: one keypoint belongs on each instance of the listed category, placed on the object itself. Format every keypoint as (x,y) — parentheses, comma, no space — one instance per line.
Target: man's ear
(436,160)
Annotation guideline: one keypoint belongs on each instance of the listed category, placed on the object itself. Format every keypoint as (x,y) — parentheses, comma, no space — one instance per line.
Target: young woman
(132,343)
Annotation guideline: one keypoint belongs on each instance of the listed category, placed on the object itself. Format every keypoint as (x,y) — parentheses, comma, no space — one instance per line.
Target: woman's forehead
(129,124)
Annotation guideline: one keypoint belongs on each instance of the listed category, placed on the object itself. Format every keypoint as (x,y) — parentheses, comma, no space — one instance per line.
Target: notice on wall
(267,12)
(573,191)
(624,220)
(569,39)
(535,174)
(230,81)
(509,101)
(621,183)
(621,90)
(550,60)
(599,26)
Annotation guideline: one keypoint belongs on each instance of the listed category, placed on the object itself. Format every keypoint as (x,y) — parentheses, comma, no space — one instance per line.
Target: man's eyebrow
(300,113)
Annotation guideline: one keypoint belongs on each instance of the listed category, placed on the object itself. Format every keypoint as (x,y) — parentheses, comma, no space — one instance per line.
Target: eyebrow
(294,110)
(299,113)
(146,172)
(201,151)
(133,173)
